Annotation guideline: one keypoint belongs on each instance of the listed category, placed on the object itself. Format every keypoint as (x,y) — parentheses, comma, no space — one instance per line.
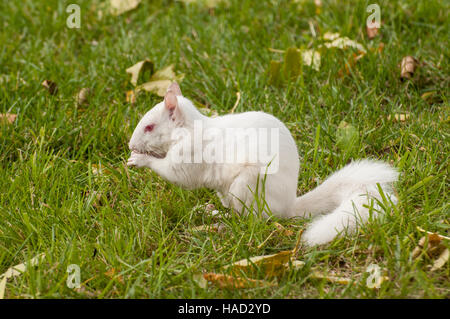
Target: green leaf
(275,78)
(292,63)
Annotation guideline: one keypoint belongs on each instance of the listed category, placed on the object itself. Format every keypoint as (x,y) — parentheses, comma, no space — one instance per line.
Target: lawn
(66,192)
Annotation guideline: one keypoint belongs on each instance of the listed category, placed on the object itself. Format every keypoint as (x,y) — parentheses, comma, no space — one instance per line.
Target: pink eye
(149,128)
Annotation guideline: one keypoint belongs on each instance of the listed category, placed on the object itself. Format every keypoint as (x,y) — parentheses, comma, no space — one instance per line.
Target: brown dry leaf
(139,69)
(7,118)
(227,281)
(83,96)
(408,67)
(430,244)
(51,87)
(117,7)
(372,32)
(333,279)
(442,259)
(111,273)
(399,117)
(431,233)
(17,270)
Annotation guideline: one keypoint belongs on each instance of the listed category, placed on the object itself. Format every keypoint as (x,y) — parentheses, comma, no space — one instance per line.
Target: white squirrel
(343,198)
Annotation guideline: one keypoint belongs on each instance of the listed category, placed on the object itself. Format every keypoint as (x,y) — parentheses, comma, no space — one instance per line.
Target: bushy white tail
(342,198)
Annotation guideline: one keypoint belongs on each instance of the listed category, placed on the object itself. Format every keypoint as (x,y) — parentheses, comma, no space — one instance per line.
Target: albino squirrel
(343,198)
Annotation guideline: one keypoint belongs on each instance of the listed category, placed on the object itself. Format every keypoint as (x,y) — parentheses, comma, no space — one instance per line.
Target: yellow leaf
(343,43)
(138,69)
(117,7)
(157,87)
(227,281)
(270,265)
(400,117)
(206,3)
(131,97)
(160,81)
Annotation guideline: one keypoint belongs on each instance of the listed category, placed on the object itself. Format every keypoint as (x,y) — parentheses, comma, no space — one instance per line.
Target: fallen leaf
(430,243)
(83,96)
(131,97)
(399,117)
(51,87)
(296,264)
(158,87)
(275,78)
(442,259)
(118,7)
(311,58)
(345,42)
(227,281)
(206,3)
(318,4)
(330,36)
(333,279)
(341,42)
(200,280)
(292,66)
(160,81)
(408,67)
(270,265)
(138,69)
(372,32)
(7,118)
(17,271)
(431,233)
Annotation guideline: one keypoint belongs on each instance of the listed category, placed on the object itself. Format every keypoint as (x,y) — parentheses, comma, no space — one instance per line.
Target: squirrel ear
(175,88)
(171,104)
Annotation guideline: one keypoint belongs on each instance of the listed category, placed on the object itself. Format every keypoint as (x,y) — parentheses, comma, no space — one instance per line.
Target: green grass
(133,221)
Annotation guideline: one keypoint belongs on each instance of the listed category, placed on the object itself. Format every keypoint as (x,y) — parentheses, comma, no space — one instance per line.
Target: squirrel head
(153,134)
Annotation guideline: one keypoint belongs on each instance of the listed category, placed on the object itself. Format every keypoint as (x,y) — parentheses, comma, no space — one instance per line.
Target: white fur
(349,188)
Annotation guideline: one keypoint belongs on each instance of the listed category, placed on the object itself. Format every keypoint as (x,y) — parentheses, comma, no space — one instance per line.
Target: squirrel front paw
(138,160)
